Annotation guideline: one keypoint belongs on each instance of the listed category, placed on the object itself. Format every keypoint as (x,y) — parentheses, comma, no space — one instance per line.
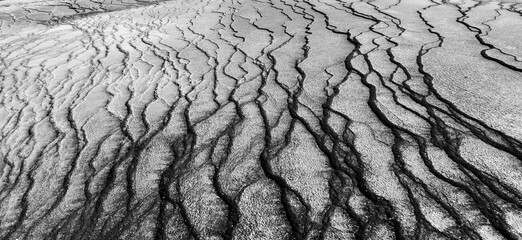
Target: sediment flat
(261,119)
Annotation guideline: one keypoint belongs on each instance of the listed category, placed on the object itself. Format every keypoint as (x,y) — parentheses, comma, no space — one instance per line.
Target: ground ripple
(260,119)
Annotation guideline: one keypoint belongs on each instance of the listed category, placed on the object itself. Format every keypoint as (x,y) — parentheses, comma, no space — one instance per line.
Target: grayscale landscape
(260,119)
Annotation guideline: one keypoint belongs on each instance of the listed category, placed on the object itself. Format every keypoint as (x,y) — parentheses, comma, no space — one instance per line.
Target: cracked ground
(260,119)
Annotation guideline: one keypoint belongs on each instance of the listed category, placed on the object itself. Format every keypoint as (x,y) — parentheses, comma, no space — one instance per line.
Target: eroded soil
(260,119)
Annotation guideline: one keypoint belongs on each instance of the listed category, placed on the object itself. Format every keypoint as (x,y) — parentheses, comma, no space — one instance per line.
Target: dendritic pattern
(261,119)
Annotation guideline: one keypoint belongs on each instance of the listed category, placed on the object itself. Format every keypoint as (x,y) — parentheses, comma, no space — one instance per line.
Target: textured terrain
(260,119)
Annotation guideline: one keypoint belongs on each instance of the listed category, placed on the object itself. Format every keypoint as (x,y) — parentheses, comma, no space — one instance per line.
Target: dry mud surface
(260,119)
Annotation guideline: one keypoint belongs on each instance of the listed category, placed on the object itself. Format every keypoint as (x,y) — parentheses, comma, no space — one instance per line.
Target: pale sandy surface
(267,119)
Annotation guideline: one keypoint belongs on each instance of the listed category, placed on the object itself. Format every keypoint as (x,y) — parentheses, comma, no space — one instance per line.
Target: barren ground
(260,119)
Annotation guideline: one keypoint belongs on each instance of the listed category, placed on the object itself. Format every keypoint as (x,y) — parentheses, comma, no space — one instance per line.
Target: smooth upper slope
(269,119)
